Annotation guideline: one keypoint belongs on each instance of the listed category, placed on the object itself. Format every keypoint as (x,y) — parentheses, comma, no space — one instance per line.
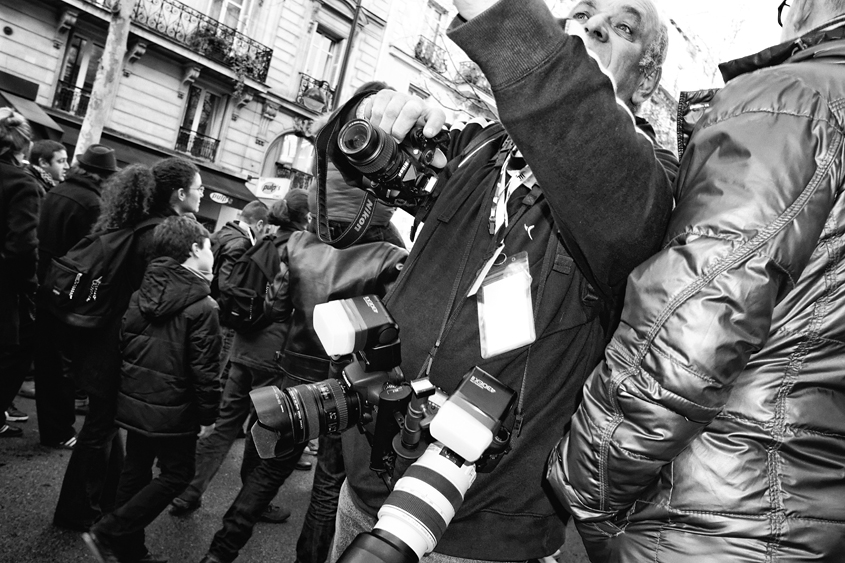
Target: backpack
(241,298)
(90,284)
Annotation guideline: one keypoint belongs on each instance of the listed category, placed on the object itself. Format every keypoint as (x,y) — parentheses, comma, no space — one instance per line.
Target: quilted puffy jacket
(170,343)
(715,431)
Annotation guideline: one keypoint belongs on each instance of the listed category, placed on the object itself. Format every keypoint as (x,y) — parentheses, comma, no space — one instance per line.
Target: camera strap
(363,217)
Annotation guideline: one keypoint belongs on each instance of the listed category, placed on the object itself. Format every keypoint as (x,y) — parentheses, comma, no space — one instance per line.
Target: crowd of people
(680,395)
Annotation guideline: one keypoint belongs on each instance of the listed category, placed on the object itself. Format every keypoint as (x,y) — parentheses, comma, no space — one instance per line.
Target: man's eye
(624,28)
(580,16)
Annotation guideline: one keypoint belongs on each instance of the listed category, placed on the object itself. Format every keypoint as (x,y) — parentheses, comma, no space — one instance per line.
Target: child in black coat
(169,391)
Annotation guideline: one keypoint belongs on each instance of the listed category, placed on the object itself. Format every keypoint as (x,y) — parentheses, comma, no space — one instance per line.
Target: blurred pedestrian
(19,210)
(169,394)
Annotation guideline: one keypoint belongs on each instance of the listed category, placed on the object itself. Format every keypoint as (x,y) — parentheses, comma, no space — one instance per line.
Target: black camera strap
(363,217)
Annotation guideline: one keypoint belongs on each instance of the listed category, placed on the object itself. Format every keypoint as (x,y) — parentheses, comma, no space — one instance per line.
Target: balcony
(430,55)
(197,145)
(314,94)
(201,34)
(71,99)
(469,73)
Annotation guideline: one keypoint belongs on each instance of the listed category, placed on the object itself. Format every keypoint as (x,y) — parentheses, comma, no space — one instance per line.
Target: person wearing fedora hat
(98,159)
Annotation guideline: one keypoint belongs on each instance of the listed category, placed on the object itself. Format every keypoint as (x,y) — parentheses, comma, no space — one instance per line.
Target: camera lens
(304,412)
(370,150)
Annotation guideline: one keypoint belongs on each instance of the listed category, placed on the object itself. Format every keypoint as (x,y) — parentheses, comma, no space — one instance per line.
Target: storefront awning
(35,115)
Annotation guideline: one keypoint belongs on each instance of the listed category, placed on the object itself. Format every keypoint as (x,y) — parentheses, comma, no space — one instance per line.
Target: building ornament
(67,21)
(189,75)
(135,51)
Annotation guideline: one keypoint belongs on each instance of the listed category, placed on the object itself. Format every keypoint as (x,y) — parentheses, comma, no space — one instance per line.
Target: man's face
(189,201)
(57,167)
(618,32)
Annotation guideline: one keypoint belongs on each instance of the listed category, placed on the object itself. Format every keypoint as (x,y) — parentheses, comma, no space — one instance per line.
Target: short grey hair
(655,53)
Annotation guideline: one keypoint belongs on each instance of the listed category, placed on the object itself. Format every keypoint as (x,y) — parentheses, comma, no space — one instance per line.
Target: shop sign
(220,198)
(272,188)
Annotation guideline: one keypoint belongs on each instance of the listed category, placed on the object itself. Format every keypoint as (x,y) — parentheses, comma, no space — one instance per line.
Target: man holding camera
(583,200)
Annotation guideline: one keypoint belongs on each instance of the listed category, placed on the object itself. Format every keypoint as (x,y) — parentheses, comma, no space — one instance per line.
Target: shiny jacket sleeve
(609,191)
(278,304)
(203,355)
(755,189)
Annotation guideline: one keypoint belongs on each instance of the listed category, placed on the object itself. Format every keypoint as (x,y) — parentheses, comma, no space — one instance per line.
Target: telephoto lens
(301,413)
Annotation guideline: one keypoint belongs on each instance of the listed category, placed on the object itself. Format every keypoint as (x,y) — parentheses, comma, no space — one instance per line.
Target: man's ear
(195,250)
(647,86)
(43,163)
(180,194)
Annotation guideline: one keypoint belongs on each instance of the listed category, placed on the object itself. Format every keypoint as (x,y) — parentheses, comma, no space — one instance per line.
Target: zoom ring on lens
(340,401)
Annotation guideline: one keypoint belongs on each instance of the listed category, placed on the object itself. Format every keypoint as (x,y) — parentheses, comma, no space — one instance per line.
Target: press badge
(505,312)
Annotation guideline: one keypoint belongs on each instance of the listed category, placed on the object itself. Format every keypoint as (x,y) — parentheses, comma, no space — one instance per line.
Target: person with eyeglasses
(715,429)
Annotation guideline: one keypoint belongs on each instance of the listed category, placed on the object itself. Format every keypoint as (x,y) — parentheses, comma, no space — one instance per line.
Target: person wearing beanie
(312,272)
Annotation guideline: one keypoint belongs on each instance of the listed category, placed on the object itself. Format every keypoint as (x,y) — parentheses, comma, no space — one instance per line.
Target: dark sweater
(604,185)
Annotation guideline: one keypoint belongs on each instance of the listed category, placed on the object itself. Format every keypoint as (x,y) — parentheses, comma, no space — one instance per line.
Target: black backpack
(241,297)
(90,284)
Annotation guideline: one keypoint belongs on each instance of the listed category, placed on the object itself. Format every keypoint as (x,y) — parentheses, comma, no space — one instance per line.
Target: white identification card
(505,312)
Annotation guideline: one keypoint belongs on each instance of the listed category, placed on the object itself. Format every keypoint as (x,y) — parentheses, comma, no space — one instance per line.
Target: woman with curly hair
(91,477)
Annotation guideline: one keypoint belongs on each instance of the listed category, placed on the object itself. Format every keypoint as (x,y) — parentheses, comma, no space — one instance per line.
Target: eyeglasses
(200,189)
(780,12)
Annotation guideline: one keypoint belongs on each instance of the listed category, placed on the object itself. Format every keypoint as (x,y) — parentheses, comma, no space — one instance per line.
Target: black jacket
(314,272)
(68,213)
(19,206)
(170,343)
(228,244)
(607,185)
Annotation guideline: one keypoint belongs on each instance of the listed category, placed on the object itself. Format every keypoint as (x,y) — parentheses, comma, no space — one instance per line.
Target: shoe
(312,448)
(72,525)
(101,550)
(80,406)
(150,558)
(27,390)
(181,507)
(66,445)
(274,514)
(10,431)
(303,465)
(14,415)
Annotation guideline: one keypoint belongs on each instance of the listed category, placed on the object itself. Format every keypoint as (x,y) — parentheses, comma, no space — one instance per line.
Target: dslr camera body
(446,438)
(400,173)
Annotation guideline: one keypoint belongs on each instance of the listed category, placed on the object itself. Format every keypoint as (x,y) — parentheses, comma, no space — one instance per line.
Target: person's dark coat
(67,214)
(228,244)
(19,208)
(170,344)
(314,272)
(258,349)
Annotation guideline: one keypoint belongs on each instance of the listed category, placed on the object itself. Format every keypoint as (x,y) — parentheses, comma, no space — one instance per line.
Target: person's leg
(142,498)
(55,403)
(16,358)
(319,526)
(260,378)
(350,522)
(92,473)
(261,486)
(212,450)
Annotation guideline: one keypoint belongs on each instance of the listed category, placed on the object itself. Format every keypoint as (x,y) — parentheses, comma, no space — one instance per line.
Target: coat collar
(825,40)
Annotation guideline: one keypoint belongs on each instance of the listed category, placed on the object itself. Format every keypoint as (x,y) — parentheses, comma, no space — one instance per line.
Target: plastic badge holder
(505,312)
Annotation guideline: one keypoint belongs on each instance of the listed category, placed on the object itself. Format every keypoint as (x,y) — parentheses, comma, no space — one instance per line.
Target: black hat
(99,159)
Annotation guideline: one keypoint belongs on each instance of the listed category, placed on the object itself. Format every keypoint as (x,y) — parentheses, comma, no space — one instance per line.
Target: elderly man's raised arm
(601,173)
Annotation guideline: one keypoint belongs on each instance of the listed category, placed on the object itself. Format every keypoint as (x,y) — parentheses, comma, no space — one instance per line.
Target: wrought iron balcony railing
(470,73)
(314,94)
(202,34)
(430,55)
(72,99)
(197,145)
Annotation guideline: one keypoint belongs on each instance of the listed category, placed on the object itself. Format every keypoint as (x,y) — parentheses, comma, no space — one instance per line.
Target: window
(323,56)
(201,123)
(290,158)
(434,21)
(80,68)
(233,13)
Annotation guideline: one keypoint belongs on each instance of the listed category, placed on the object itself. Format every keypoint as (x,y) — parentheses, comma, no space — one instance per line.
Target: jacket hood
(168,287)
(824,41)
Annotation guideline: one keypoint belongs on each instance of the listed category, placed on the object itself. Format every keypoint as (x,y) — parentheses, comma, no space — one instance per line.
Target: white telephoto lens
(460,431)
(425,499)
(334,329)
